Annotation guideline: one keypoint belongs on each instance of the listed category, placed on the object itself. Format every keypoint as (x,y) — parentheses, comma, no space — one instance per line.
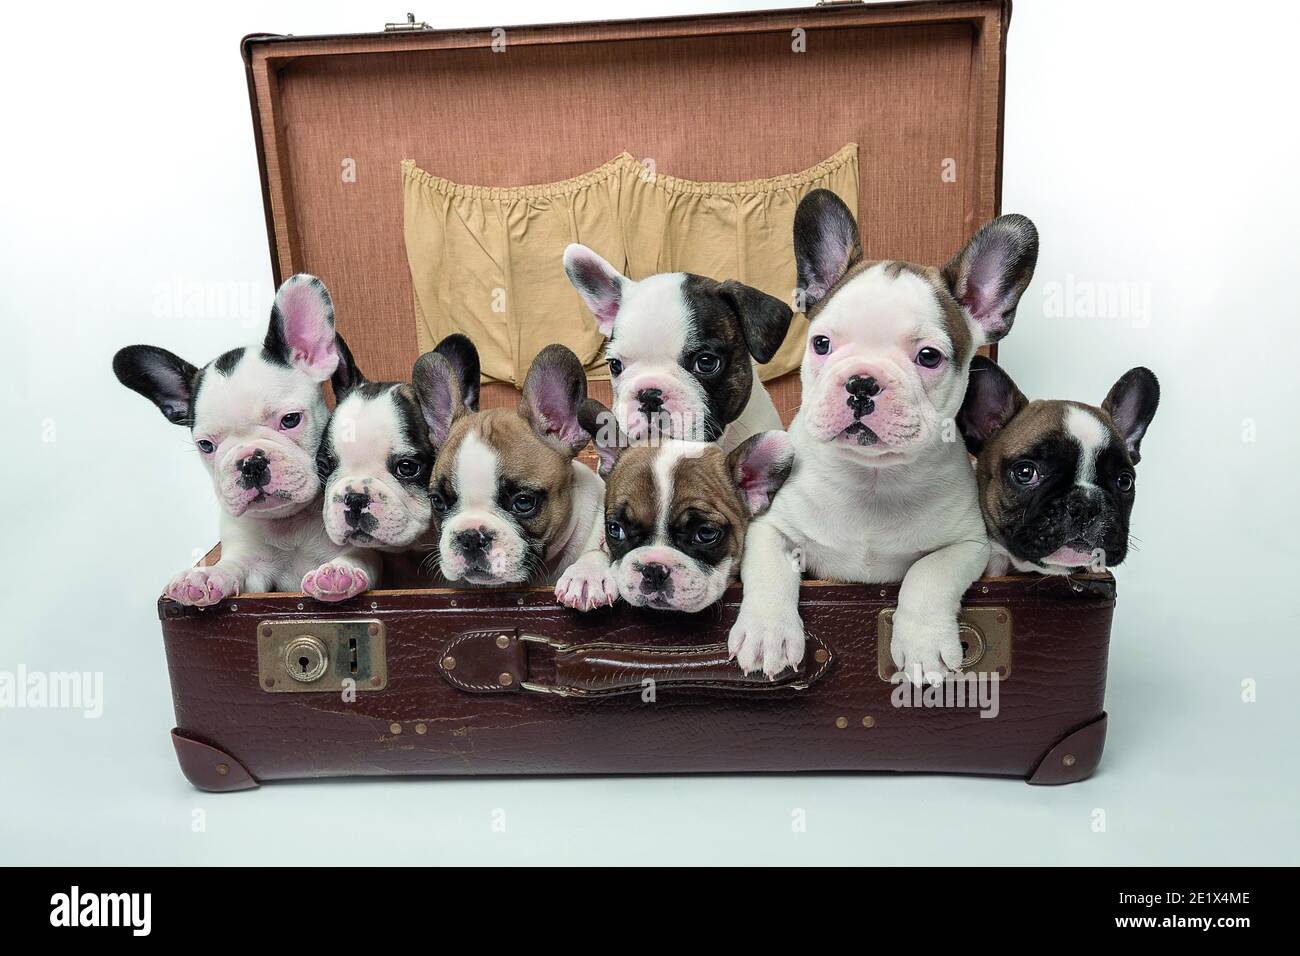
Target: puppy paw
(200,587)
(335,581)
(766,642)
(587,584)
(925,650)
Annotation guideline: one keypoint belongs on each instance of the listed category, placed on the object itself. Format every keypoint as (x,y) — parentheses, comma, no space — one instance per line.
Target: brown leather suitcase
(419,681)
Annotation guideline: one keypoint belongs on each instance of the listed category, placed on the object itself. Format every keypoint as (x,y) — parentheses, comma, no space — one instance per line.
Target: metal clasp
(410,24)
(547,688)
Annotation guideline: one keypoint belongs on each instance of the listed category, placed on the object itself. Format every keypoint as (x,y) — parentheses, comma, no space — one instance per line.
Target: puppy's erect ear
(347,376)
(759,466)
(606,437)
(462,356)
(1131,404)
(301,333)
(992,400)
(437,387)
(554,391)
(764,319)
(165,379)
(988,276)
(826,244)
(599,284)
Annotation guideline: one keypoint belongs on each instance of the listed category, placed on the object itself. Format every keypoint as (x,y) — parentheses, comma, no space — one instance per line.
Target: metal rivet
(223,769)
(374,605)
(449,663)
(376,681)
(270,682)
(841,722)
(984,589)
(421,728)
(266,631)
(883,592)
(300,605)
(502,641)
(868,721)
(822,655)
(506,679)
(394,728)
(1002,619)
(520,602)
(234,607)
(1068,760)
(373,630)
(453,602)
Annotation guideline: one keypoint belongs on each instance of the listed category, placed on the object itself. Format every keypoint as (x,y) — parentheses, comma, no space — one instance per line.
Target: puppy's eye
(523,504)
(206,446)
(615,366)
(1024,472)
(406,468)
(708,534)
(821,344)
(291,421)
(706,363)
(439,503)
(614,531)
(929,358)
(1124,481)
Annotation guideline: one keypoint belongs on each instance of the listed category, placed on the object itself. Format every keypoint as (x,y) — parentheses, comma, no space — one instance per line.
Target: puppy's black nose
(354,502)
(654,577)
(473,542)
(651,399)
(255,470)
(861,388)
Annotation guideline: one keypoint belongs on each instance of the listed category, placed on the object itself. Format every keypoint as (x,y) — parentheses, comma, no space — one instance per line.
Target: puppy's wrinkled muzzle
(867,404)
(266,478)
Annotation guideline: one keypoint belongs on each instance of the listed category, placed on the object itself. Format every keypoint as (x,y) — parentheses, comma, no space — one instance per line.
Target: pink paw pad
(334,582)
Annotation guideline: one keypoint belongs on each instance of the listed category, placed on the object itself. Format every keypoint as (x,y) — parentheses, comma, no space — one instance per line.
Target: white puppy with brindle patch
(884,491)
(256,415)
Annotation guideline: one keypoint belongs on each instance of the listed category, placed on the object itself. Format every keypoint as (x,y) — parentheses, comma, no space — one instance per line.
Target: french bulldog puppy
(676,512)
(256,415)
(884,491)
(1056,479)
(512,504)
(682,350)
(376,456)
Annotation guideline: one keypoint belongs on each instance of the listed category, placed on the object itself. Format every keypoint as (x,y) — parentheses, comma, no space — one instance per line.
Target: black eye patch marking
(525,505)
(442,498)
(410,468)
(635,534)
(690,533)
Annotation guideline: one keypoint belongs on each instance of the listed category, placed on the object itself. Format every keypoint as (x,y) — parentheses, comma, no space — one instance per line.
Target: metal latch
(985,634)
(410,24)
(316,656)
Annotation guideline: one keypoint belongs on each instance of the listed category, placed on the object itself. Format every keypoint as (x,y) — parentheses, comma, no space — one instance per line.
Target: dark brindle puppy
(1056,479)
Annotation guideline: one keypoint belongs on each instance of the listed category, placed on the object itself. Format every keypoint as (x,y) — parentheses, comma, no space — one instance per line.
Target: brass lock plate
(985,634)
(315,656)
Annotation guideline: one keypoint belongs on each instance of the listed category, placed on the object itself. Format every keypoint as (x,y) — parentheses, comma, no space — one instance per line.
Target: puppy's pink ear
(826,244)
(1131,405)
(988,276)
(554,391)
(599,284)
(992,400)
(301,333)
(437,388)
(607,438)
(759,466)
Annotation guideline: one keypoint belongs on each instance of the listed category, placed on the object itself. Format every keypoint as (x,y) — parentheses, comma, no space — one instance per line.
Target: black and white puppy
(511,503)
(1056,479)
(676,512)
(256,415)
(376,456)
(884,491)
(682,350)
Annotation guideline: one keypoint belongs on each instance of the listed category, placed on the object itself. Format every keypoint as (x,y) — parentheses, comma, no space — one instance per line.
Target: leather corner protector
(208,768)
(1075,756)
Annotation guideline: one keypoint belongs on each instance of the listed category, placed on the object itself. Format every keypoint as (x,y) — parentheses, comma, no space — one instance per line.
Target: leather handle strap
(507,660)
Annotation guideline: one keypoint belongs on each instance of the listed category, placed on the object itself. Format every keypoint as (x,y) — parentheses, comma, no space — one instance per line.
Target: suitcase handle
(507,660)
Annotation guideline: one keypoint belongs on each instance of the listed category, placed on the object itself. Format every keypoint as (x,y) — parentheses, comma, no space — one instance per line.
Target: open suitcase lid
(918,85)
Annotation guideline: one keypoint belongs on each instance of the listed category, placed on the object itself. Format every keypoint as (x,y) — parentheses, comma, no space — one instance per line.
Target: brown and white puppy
(682,349)
(1056,479)
(511,504)
(676,513)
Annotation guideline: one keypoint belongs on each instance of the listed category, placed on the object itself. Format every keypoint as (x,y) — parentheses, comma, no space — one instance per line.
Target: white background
(1154,144)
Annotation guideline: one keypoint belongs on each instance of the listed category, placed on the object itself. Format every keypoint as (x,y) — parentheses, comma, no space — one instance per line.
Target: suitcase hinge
(410,24)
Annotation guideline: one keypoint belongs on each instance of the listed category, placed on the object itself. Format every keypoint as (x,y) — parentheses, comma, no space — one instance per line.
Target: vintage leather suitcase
(418,681)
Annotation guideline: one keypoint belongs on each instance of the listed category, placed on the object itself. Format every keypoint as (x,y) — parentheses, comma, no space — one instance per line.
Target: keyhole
(302,662)
(965,649)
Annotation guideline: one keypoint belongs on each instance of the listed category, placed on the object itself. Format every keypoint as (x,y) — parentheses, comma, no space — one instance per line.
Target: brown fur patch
(1034,421)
